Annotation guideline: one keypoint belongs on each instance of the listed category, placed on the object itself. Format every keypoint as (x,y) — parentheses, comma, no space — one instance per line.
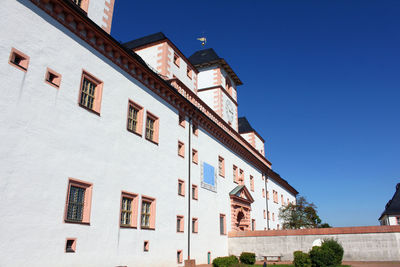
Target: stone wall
(371,243)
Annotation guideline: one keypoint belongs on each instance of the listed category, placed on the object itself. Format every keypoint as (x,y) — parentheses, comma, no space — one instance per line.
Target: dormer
(252,137)
(166,59)
(217,84)
(99,11)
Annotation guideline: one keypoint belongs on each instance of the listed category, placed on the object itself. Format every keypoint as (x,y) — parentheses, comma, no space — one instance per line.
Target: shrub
(225,261)
(322,257)
(336,248)
(248,258)
(301,259)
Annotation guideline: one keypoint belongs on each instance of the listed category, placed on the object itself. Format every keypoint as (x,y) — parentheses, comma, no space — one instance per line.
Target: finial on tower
(203,40)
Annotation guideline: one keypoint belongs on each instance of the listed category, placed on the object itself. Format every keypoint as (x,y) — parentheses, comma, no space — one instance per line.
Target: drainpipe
(266,197)
(189,182)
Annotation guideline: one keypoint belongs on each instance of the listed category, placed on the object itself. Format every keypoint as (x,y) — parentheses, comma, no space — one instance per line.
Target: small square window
(181,187)
(194,192)
(152,124)
(70,245)
(221,166)
(194,225)
(195,156)
(19,59)
(182,120)
(146,246)
(53,78)
(176,59)
(179,256)
(180,223)
(189,72)
(90,93)
(181,149)
(134,118)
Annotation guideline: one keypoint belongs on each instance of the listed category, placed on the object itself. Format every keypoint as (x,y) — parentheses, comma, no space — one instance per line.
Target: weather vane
(203,39)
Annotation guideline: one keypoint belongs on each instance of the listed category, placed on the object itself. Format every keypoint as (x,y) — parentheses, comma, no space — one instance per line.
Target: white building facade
(110,161)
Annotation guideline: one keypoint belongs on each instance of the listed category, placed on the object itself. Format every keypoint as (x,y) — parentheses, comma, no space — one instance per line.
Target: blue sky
(321,85)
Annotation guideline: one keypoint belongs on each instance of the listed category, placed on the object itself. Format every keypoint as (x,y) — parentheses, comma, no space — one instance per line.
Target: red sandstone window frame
(263,192)
(251,183)
(180,223)
(195,192)
(84,5)
(98,92)
(87,202)
(182,120)
(221,166)
(195,225)
(241,176)
(156,125)
(139,123)
(52,78)
(134,209)
(18,59)
(195,129)
(189,72)
(182,186)
(181,149)
(282,200)
(265,214)
(146,246)
(177,60)
(152,218)
(195,156)
(179,256)
(235,174)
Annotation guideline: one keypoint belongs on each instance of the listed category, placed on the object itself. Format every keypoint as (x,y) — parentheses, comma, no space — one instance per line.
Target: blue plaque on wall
(208,177)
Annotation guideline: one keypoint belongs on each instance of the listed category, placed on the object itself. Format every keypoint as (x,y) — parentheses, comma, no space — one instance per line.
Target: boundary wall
(369,243)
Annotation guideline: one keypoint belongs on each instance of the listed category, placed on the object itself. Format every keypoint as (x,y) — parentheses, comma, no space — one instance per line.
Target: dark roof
(236,192)
(208,57)
(152,38)
(393,206)
(244,125)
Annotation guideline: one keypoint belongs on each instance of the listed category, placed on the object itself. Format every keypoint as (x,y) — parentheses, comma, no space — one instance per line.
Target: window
(268,214)
(253,224)
(273,216)
(182,120)
(78,204)
(195,156)
(235,174)
(189,72)
(90,92)
(282,200)
(265,215)
(222,224)
(180,223)
(53,78)
(83,4)
(135,118)
(194,192)
(18,59)
(263,192)
(277,226)
(287,201)
(195,129)
(152,123)
(148,213)
(194,225)
(275,196)
(181,149)
(70,245)
(221,166)
(267,194)
(181,187)
(146,245)
(176,60)
(179,256)
(398,220)
(251,183)
(241,177)
(129,204)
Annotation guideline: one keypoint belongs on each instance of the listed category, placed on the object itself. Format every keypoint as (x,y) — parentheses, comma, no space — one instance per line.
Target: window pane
(75,203)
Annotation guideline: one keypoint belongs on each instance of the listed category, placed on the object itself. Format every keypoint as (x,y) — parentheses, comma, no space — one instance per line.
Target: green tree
(303,214)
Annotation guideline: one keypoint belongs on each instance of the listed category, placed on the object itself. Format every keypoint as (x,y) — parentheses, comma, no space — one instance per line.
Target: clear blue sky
(321,85)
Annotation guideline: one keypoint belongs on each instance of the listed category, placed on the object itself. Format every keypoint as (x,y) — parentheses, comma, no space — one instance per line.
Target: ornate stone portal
(241,200)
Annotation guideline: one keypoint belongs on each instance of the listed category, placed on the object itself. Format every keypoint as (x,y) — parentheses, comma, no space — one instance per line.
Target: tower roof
(393,206)
(244,125)
(208,57)
(149,39)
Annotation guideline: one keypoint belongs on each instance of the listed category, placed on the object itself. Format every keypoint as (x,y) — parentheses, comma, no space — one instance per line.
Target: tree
(303,214)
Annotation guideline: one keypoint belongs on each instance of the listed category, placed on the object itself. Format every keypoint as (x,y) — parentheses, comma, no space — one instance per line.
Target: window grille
(150,128)
(126,211)
(178,224)
(87,94)
(145,215)
(132,118)
(76,203)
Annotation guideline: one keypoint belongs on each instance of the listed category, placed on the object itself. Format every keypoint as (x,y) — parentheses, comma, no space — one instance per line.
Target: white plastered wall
(150,55)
